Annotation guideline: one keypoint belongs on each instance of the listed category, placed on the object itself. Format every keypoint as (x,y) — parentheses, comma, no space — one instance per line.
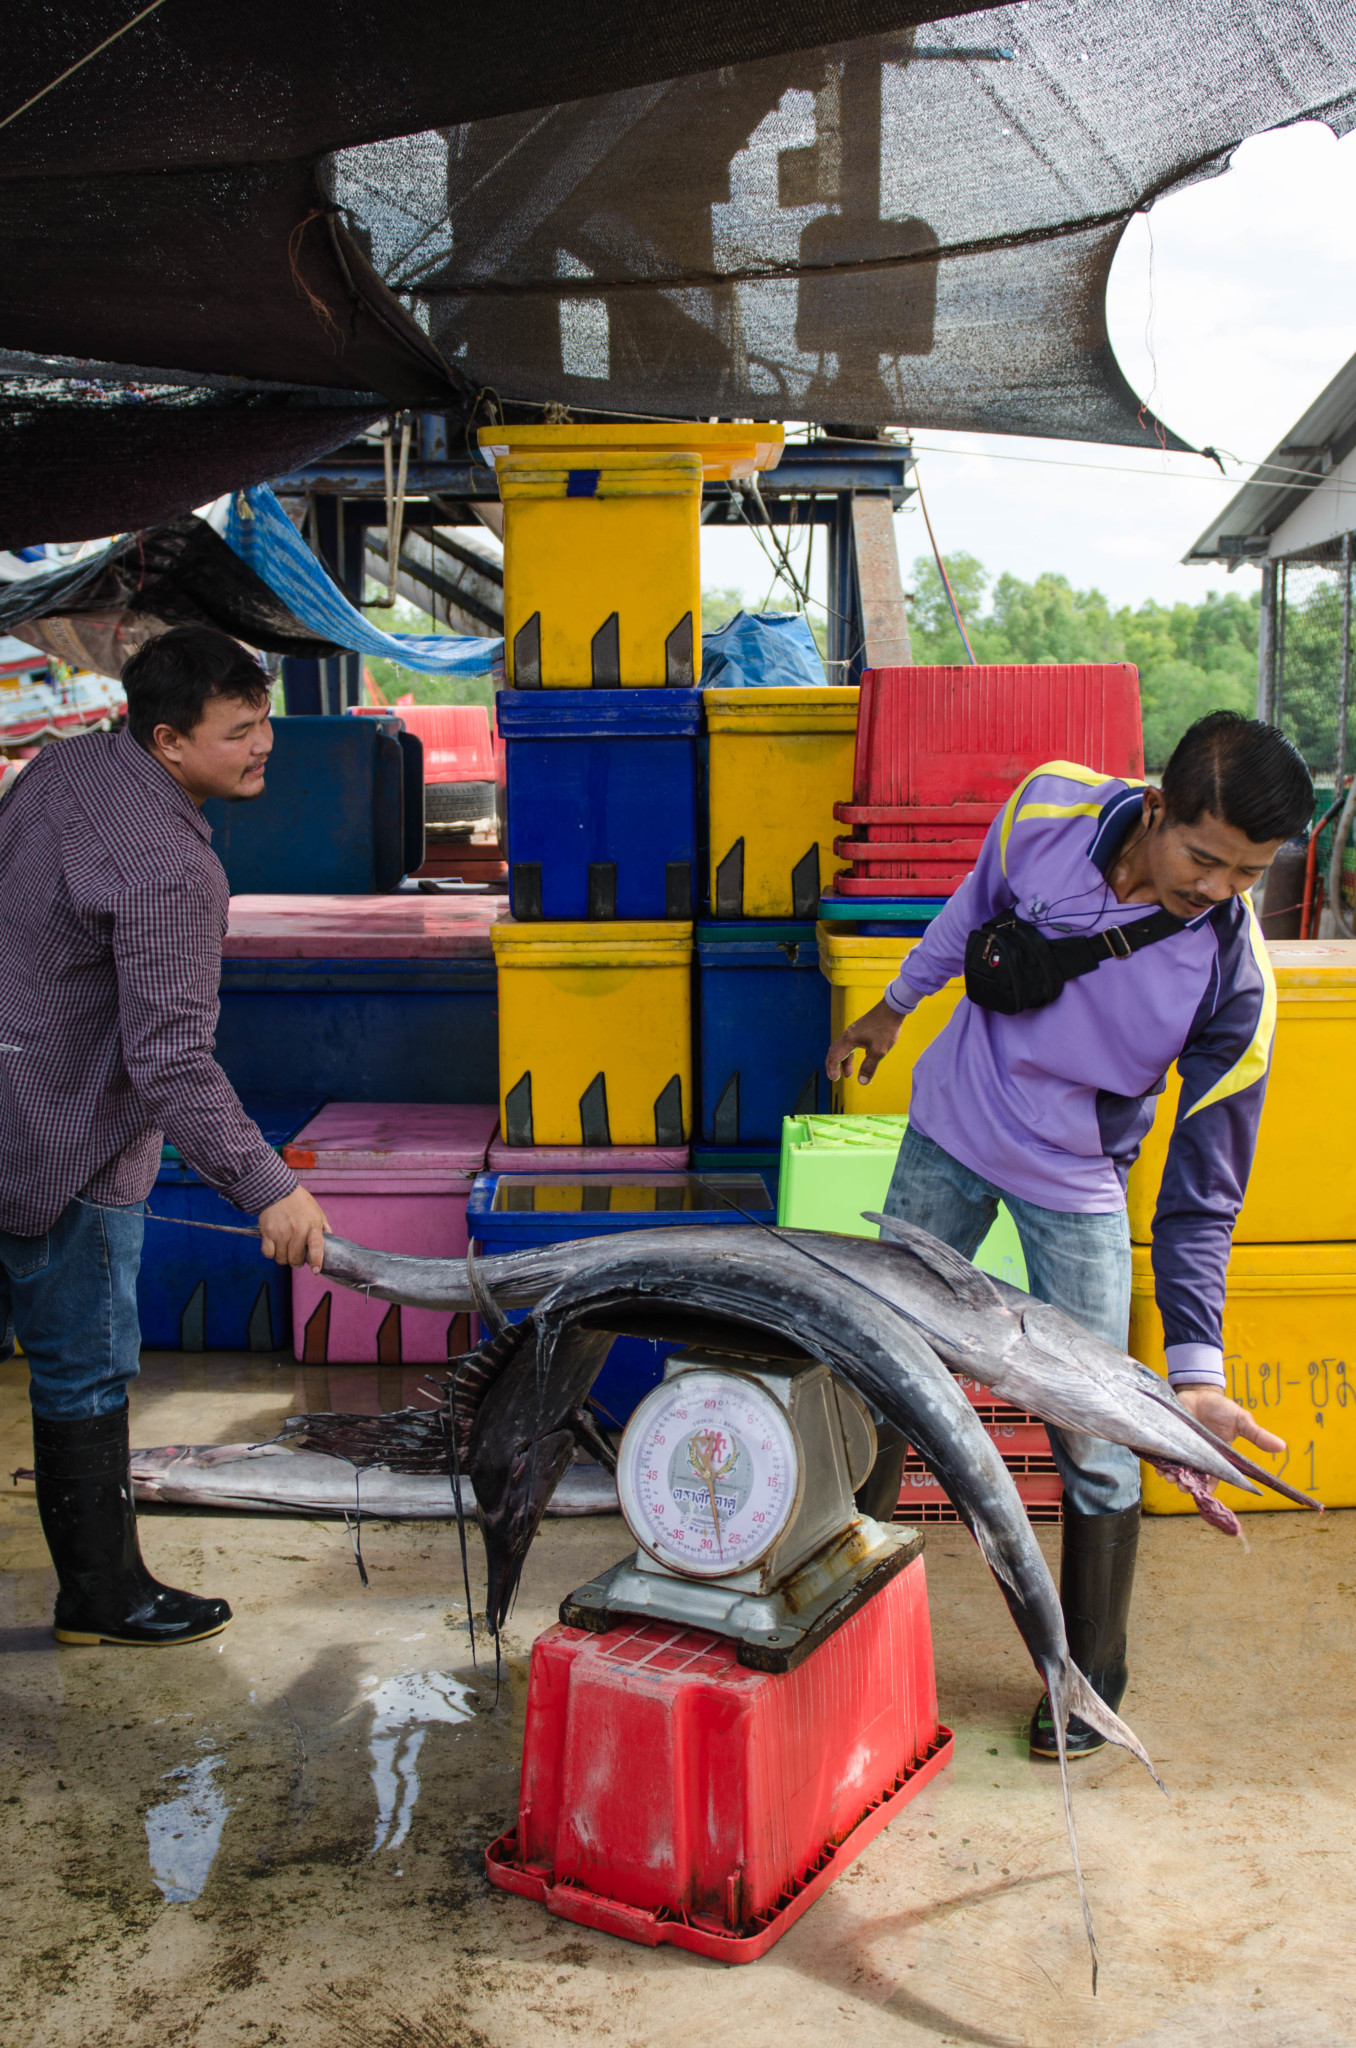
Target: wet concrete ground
(277,1836)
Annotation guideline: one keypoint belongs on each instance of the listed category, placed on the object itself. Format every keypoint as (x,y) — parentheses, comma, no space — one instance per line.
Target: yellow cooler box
(1287,1324)
(859,971)
(1295,1194)
(602,571)
(595,1033)
(779,761)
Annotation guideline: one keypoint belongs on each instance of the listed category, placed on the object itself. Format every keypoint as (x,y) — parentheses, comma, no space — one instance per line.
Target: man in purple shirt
(1046,1108)
(113,908)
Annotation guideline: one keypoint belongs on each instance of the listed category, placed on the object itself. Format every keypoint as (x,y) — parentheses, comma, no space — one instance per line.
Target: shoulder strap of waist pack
(1081,954)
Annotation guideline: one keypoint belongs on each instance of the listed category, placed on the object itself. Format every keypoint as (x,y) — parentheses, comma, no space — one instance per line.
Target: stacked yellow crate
(602,590)
(1292,1276)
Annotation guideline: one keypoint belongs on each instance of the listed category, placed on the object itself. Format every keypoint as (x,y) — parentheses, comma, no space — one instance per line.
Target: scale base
(774,1631)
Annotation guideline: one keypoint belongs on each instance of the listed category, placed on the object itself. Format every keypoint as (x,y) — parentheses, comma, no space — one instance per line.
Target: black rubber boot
(106,1594)
(878,1494)
(1096,1578)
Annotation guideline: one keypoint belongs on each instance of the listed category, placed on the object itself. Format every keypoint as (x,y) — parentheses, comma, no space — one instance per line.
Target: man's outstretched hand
(292,1231)
(1220,1412)
(873,1036)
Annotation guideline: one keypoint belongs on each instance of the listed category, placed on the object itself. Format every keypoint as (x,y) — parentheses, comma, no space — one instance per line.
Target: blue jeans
(1080,1264)
(70,1297)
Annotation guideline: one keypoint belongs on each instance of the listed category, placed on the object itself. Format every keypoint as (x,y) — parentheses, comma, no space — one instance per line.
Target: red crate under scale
(670,1795)
(968,735)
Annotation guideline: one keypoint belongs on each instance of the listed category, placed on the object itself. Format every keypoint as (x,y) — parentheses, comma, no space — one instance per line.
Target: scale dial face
(709,1473)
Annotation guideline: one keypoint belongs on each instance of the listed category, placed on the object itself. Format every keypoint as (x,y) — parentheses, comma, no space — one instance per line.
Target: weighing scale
(725,1719)
(736,1477)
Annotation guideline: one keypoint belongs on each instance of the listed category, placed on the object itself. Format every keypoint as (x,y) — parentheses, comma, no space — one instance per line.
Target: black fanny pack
(1010,965)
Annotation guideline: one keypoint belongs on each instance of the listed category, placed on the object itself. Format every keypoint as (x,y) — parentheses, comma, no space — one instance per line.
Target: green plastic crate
(834,1167)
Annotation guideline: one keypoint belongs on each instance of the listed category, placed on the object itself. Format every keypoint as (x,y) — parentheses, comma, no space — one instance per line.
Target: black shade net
(87,450)
(913,227)
(180,574)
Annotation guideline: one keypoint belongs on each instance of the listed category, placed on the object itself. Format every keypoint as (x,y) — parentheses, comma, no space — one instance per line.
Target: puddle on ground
(403,1709)
(184,1834)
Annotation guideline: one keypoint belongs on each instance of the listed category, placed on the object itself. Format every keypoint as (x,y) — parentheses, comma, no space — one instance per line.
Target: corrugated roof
(1317,442)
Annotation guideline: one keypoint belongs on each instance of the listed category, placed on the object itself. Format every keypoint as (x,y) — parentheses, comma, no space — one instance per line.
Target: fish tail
(1057,1681)
(1089,1706)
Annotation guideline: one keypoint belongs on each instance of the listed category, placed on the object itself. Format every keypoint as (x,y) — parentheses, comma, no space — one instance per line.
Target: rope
(941,569)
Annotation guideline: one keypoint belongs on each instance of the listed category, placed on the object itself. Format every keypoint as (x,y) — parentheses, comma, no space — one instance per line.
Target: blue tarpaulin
(762,651)
(260,532)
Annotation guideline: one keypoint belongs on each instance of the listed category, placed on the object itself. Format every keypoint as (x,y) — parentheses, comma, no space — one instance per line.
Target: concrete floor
(315,1789)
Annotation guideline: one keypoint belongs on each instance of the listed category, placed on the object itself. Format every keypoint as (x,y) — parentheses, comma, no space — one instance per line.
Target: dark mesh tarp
(863,233)
(182,574)
(86,450)
(165,205)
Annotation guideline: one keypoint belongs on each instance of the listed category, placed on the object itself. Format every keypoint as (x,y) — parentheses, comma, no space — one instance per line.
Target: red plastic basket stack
(940,750)
(1024,1445)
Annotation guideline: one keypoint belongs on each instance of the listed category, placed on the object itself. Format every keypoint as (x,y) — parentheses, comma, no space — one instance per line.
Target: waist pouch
(1010,965)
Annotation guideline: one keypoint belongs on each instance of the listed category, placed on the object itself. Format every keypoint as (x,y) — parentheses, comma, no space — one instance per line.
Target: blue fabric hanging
(762,651)
(260,532)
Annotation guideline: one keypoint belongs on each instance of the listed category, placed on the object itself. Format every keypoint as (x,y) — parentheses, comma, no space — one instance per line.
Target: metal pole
(1344,680)
(1279,684)
(1266,643)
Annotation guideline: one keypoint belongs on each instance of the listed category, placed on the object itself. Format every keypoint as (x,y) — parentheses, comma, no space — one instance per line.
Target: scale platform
(775,1631)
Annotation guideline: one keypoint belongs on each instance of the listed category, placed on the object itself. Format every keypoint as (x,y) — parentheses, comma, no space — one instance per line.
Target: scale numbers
(709,1473)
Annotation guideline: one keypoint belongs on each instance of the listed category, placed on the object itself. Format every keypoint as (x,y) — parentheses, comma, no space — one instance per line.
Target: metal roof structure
(1304,472)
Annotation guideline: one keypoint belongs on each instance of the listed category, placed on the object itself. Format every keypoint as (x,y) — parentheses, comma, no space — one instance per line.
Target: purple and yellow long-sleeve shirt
(1053,1104)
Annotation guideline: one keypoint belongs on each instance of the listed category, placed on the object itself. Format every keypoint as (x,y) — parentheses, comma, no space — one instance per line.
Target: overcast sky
(1253,311)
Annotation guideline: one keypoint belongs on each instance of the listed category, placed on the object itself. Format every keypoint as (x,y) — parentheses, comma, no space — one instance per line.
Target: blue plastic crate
(763,1031)
(200,1290)
(516,1212)
(602,802)
(362,1030)
(341,813)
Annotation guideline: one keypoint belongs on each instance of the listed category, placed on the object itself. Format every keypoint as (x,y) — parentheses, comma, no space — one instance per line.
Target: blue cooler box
(763,1030)
(417,1030)
(342,812)
(602,802)
(518,1212)
(199,1290)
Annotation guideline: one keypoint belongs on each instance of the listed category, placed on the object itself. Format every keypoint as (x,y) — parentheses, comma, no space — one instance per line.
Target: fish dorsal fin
(966,1282)
(1048,1332)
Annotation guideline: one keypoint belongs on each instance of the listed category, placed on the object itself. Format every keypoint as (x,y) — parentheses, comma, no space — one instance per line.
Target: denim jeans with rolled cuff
(1080,1264)
(70,1298)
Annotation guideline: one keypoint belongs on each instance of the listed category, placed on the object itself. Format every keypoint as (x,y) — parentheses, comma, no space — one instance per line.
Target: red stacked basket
(940,751)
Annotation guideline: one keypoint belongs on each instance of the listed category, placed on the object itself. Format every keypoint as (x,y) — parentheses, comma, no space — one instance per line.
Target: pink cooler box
(393,1175)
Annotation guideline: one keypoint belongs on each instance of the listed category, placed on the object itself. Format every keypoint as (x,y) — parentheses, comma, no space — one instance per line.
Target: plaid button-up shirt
(112,912)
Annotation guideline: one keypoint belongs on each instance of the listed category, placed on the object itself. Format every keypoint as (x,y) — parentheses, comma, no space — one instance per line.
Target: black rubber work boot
(106,1594)
(878,1494)
(1096,1578)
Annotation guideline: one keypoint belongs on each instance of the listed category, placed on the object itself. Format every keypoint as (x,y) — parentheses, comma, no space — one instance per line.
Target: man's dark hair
(1247,774)
(170,679)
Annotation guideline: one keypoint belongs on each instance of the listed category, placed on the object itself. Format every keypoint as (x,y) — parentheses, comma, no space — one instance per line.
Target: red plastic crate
(929,736)
(845,884)
(918,856)
(942,819)
(1039,1489)
(670,1795)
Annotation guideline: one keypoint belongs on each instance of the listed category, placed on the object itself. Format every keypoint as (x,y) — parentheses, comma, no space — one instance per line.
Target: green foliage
(1192,658)
(395,681)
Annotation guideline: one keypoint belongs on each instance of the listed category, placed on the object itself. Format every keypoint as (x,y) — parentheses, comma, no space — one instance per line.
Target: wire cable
(80,63)
(941,570)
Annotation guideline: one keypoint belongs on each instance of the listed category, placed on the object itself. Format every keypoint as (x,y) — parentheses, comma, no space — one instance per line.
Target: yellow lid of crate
(812,710)
(1276,1269)
(845,957)
(638,942)
(549,473)
(729,449)
(1314,974)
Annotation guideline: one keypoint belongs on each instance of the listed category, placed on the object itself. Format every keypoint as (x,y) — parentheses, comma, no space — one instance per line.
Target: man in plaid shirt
(113,908)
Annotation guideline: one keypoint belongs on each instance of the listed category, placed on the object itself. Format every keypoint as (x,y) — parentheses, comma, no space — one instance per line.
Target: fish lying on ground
(275,1479)
(734,1290)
